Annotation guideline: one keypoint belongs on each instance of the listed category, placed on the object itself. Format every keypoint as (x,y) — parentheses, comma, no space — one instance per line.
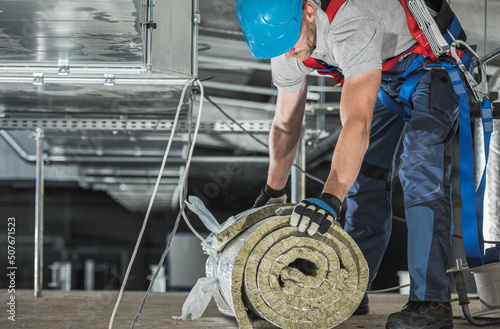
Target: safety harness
(446,21)
(456,63)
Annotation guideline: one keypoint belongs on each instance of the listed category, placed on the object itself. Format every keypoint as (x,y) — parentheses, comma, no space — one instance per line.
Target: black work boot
(422,315)
(363,307)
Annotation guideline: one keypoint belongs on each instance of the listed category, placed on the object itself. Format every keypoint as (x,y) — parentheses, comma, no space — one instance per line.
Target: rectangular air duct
(66,37)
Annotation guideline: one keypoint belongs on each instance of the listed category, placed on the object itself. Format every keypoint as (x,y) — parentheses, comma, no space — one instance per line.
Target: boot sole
(441,325)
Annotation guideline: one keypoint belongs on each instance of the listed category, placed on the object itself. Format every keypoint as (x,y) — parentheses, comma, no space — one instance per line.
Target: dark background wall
(84,224)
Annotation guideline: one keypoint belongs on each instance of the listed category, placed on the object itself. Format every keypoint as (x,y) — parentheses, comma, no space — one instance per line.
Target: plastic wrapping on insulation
(267,274)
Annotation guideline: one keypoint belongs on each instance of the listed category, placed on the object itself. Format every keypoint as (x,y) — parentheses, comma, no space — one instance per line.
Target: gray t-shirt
(362,35)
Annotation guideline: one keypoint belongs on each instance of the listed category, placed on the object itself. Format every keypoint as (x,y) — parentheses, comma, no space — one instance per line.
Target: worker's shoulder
(285,66)
(376,10)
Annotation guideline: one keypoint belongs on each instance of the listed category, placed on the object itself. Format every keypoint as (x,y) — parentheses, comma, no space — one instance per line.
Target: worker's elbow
(362,126)
(365,136)
(359,129)
(365,131)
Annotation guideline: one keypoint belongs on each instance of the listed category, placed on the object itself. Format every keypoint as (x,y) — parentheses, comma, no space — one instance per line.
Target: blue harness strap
(415,72)
(407,90)
(391,104)
(472,201)
(455,28)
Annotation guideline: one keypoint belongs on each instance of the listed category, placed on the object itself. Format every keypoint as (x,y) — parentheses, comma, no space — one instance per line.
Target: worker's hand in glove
(316,214)
(270,196)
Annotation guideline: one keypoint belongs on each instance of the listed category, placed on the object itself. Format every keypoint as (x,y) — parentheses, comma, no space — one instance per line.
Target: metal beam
(232,64)
(252,89)
(194,46)
(94,69)
(12,142)
(41,79)
(241,88)
(237,103)
(147,125)
(124,159)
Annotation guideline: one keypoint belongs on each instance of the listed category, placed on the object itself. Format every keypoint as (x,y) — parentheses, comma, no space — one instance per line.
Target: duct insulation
(270,274)
(491,219)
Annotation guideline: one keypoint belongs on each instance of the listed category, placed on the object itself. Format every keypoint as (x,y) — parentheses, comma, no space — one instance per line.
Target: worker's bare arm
(284,136)
(356,108)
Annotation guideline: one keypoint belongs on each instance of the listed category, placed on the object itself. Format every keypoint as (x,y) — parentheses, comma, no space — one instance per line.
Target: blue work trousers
(417,148)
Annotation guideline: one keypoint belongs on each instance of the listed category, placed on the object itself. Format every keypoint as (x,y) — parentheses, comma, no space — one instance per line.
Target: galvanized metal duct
(491,220)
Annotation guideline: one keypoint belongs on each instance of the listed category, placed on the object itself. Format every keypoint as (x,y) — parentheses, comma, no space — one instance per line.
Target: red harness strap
(333,7)
(422,47)
(323,70)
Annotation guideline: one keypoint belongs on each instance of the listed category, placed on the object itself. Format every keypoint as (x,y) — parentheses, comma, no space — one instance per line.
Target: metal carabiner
(479,89)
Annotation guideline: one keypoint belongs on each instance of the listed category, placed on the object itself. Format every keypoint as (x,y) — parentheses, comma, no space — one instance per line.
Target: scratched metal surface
(79,32)
(119,99)
(92,38)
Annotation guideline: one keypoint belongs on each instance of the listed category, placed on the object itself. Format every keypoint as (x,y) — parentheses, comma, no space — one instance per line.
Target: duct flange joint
(63,70)
(109,79)
(197,19)
(38,79)
(150,25)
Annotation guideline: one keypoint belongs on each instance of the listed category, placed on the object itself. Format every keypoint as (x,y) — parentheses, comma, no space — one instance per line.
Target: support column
(39,199)
(196,24)
(89,277)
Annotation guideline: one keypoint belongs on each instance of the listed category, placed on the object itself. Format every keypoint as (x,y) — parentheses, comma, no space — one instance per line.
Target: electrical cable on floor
(458,299)
(315,178)
(388,289)
(155,190)
(160,264)
(165,252)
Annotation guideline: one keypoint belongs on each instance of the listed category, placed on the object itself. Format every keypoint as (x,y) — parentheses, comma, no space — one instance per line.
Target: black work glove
(316,214)
(270,196)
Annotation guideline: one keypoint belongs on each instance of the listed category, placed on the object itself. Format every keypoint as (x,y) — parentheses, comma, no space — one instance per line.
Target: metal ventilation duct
(70,33)
(93,75)
(85,36)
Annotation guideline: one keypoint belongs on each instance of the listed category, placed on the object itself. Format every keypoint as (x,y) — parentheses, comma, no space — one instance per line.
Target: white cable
(188,162)
(160,174)
(182,196)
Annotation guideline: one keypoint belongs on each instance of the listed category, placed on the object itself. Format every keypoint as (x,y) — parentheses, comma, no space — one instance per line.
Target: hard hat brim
(276,47)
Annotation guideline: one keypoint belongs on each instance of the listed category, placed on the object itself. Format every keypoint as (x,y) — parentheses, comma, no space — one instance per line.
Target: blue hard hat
(271,27)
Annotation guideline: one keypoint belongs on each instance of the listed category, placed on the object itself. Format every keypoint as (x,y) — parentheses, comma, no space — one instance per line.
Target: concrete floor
(92,310)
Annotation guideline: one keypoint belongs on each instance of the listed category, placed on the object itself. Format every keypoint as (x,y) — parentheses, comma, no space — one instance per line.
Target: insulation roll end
(268,270)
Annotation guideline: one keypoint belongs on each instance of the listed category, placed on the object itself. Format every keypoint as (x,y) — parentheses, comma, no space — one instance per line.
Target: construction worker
(358,38)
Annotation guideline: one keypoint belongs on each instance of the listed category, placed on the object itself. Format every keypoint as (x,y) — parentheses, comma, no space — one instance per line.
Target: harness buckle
(429,64)
(479,89)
